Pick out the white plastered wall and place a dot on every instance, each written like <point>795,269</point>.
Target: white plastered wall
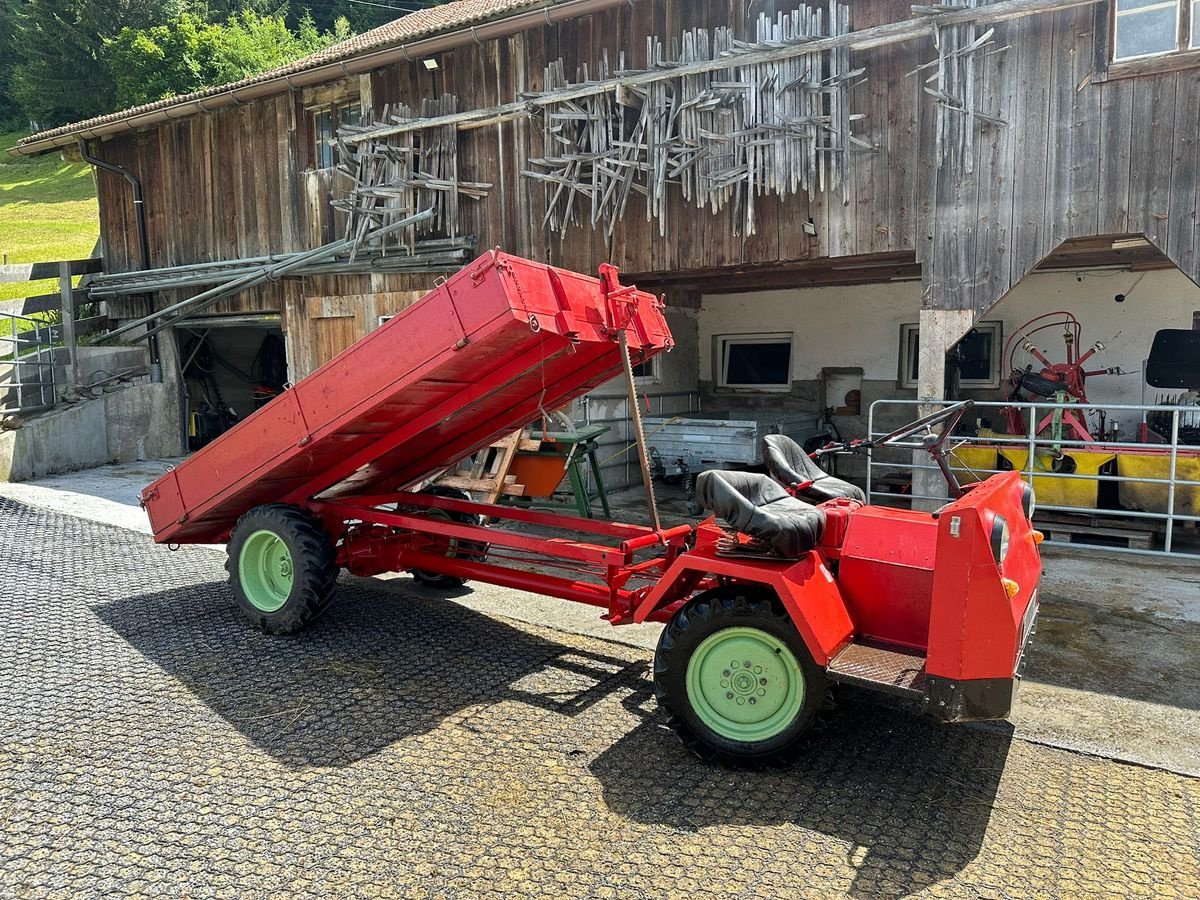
<point>860,326</point>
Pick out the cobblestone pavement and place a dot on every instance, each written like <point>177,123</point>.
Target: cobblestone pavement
<point>151,743</point>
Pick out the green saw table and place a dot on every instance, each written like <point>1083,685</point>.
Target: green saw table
<point>579,447</point>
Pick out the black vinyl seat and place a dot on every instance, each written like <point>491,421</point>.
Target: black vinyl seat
<point>759,507</point>
<point>789,465</point>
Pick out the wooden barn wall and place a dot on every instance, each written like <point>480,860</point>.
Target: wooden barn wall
<point>234,182</point>
<point>1081,157</point>
<point>1078,157</point>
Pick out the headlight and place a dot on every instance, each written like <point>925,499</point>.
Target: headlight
<point>1028,501</point>
<point>999,539</point>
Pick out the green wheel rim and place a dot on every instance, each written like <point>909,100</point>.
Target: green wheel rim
<point>745,685</point>
<point>265,570</point>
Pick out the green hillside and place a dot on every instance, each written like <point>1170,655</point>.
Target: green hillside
<point>47,212</point>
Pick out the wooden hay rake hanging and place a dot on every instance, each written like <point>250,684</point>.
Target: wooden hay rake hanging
<point>723,137</point>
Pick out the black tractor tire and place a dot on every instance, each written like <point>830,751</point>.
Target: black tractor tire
<point>313,568</point>
<point>468,550</point>
<point>709,614</point>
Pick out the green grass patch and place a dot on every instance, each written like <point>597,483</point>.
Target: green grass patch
<point>48,212</point>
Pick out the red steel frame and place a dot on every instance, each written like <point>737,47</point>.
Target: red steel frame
<point>415,541</point>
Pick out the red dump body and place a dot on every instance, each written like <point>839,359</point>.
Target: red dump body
<point>473,360</point>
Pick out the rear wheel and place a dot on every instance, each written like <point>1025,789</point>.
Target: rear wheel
<point>735,679</point>
<point>282,567</point>
<point>455,547</point>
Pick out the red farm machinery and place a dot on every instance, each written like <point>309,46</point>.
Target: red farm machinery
<point>794,584</point>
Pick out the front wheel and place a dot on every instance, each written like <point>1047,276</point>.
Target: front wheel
<point>735,679</point>
<point>282,567</point>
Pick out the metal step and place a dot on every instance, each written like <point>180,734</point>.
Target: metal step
<point>897,672</point>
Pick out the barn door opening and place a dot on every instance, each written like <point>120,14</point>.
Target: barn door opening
<point>231,365</point>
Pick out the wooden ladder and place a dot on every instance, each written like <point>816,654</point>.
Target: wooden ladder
<point>485,474</point>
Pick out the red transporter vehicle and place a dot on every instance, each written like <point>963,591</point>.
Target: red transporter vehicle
<point>802,586</point>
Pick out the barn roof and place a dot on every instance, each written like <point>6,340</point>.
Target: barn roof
<point>326,65</point>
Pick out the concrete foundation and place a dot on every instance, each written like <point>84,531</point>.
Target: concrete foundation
<point>134,423</point>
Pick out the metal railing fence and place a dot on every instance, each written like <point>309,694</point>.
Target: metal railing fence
<point>27,364</point>
<point>1157,484</point>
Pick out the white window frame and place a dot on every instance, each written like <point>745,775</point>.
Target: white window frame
<point>1185,11</point>
<point>653,374</point>
<point>908,347</point>
<point>723,342</point>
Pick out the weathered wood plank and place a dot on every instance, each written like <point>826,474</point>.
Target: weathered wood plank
<point>1116,137</point>
<point>997,183</point>
<point>1151,162</point>
<point>1074,159</point>
<point>1185,176</point>
<point>39,271</point>
<point>1035,53</point>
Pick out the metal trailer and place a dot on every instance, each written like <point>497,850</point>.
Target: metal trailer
<point>681,447</point>
<point>762,616</point>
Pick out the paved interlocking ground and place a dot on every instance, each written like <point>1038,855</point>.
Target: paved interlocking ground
<point>152,743</point>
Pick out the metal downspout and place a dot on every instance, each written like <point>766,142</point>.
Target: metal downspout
<point>139,211</point>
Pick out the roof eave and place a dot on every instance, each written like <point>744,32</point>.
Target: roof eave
<point>487,29</point>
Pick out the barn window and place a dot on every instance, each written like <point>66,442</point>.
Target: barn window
<point>1148,28</point>
<point>977,356</point>
<point>326,122</point>
<point>759,362</point>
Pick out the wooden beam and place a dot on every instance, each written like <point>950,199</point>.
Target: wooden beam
<point>67,295</point>
<point>38,271</point>
<point>864,39</point>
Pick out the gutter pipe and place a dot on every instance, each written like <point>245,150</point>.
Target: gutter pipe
<point>139,214</point>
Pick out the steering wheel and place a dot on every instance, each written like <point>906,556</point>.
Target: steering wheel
<point>932,442</point>
<point>951,416</point>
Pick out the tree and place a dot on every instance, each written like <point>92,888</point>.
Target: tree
<point>187,54</point>
<point>59,75</point>
<point>251,43</point>
<point>148,64</point>
<point>10,111</point>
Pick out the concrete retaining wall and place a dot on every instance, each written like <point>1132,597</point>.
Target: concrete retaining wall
<point>137,422</point>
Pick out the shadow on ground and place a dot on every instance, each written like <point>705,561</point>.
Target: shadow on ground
<point>910,798</point>
<point>380,666</point>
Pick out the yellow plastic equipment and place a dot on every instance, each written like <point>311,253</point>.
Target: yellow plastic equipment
<point>1054,490</point>
<point>1157,464</point>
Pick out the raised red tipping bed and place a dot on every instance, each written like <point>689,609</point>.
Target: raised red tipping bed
<point>471,361</point>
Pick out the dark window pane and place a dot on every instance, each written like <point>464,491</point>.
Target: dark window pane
<point>757,364</point>
<point>644,370</point>
<point>914,354</point>
<point>975,356</point>
<point>323,126</point>
<point>350,114</point>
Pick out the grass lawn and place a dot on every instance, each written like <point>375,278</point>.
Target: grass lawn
<point>47,212</point>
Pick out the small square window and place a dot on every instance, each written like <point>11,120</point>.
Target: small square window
<point>326,122</point>
<point>758,362</point>
<point>646,372</point>
<point>1144,28</point>
<point>977,356</point>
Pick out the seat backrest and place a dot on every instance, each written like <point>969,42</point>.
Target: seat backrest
<point>736,496</point>
<point>787,462</point>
